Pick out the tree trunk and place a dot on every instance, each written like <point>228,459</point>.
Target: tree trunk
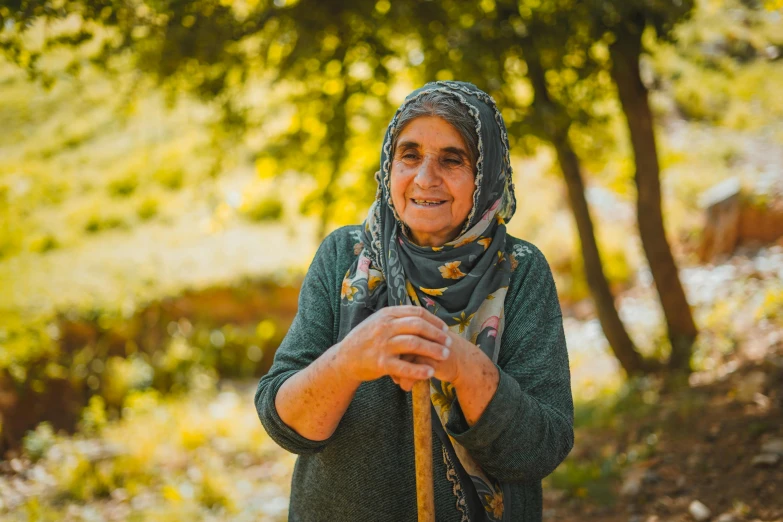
<point>555,126</point>
<point>625,54</point>
<point>613,327</point>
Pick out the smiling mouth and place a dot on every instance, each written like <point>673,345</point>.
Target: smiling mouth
<point>428,202</point>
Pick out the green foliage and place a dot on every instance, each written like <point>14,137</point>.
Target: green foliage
<point>170,178</point>
<point>99,223</point>
<point>111,355</point>
<point>94,416</point>
<point>771,307</point>
<point>85,478</point>
<point>11,233</point>
<point>339,70</point>
<point>147,209</point>
<point>216,492</point>
<point>124,186</point>
<point>593,472</point>
<point>722,64</point>
<point>38,442</point>
<point>123,375</point>
<point>44,243</point>
<point>24,341</point>
<point>266,209</point>
<point>148,458</point>
<point>593,479</point>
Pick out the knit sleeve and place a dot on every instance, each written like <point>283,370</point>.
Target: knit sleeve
<point>526,430</point>
<point>311,333</point>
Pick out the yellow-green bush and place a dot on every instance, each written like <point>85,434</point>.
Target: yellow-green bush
<point>147,209</point>
<point>123,186</point>
<point>104,356</point>
<point>772,306</point>
<point>44,243</point>
<point>98,223</point>
<point>262,209</point>
<point>172,178</point>
<point>38,442</point>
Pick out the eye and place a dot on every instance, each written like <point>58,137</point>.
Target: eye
<point>453,161</point>
<point>409,155</point>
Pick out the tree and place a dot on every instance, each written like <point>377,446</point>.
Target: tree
<point>619,340</point>
<point>559,37</point>
<point>338,63</point>
<point>627,21</point>
<point>330,60</point>
<point>490,52</point>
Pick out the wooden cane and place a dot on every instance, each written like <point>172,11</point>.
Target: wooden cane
<point>422,443</point>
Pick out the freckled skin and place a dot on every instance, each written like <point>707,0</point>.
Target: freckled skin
<point>313,401</point>
<point>427,164</point>
<point>473,374</point>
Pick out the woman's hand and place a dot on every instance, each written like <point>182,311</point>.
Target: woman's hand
<point>385,343</point>
<point>474,376</point>
<point>448,369</point>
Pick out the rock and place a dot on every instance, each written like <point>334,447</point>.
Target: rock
<point>699,511</point>
<point>766,460</point>
<point>694,460</point>
<point>632,483</point>
<point>726,517</point>
<point>762,401</point>
<point>752,384</point>
<point>664,505</point>
<point>16,465</point>
<point>774,446</point>
<point>681,482</point>
<point>650,477</point>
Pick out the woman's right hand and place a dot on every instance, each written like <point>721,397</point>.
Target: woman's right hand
<point>380,344</point>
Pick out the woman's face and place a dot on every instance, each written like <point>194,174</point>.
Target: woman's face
<point>432,180</point>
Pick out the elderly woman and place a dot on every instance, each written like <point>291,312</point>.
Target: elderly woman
<point>430,286</point>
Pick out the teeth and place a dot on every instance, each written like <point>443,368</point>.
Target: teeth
<point>425,202</point>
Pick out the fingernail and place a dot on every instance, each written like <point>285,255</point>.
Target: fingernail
<point>445,352</point>
<point>448,341</point>
<point>430,372</point>
<point>445,328</point>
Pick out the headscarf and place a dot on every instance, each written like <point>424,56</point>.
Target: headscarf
<point>464,282</point>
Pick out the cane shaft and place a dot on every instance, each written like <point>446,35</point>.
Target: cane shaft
<point>422,443</point>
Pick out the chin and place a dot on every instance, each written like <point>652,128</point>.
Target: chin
<point>425,226</point>
<point>429,235</point>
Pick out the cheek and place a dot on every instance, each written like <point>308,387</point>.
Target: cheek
<point>463,196</point>
<point>397,184</point>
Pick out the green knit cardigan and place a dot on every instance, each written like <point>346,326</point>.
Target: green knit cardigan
<point>365,470</point>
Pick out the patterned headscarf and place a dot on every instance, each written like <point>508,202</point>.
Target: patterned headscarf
<point>464,282</point>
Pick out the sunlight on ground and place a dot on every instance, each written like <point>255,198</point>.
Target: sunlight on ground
<point>204,456</point>
<point>152,261</point>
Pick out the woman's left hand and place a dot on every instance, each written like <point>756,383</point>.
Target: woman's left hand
<point>447,370</point>
<point>473,375</point>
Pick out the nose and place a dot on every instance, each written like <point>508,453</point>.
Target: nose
<point>428,176</point>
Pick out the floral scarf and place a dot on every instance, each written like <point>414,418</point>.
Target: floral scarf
<point>464,282</point>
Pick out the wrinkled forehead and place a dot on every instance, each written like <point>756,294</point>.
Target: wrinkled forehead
<point>489,127</point>
<point>398,126</point>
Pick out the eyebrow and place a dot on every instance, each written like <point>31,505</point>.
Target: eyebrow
<point>414,145</point>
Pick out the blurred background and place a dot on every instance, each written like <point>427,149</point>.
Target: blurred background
<point>167,170</point>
